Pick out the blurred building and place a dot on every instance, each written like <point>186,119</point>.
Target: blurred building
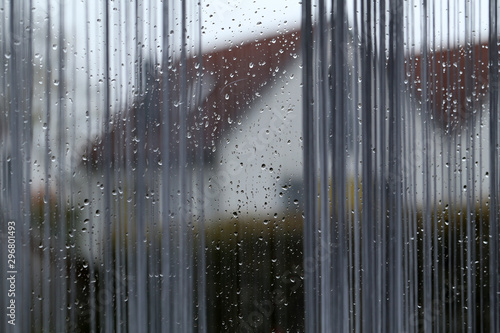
<point>243,126</point>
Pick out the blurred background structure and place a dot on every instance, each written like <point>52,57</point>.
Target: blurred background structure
<point>249,166</point>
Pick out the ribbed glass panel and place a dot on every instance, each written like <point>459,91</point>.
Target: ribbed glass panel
<point>263,166</point>
<point>400,166</point>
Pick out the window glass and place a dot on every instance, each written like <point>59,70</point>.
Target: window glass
<point>264,166</point>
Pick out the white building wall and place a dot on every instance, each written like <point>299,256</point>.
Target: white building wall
<point>260,161</point>
<point>263,153</point>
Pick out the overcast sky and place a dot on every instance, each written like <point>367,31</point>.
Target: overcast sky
<point>227,22</point>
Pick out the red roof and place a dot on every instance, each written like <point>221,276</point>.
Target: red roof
<point>457,81</point>
<point>232,79</point>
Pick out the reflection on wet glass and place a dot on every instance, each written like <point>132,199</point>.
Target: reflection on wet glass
<point>249,167</point>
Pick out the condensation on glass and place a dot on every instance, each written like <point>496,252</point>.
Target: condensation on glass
<point>177,166</point>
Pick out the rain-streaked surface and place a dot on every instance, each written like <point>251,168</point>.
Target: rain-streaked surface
<point>98,102</point>
<point>175,166</point>
<point>401,161</point>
